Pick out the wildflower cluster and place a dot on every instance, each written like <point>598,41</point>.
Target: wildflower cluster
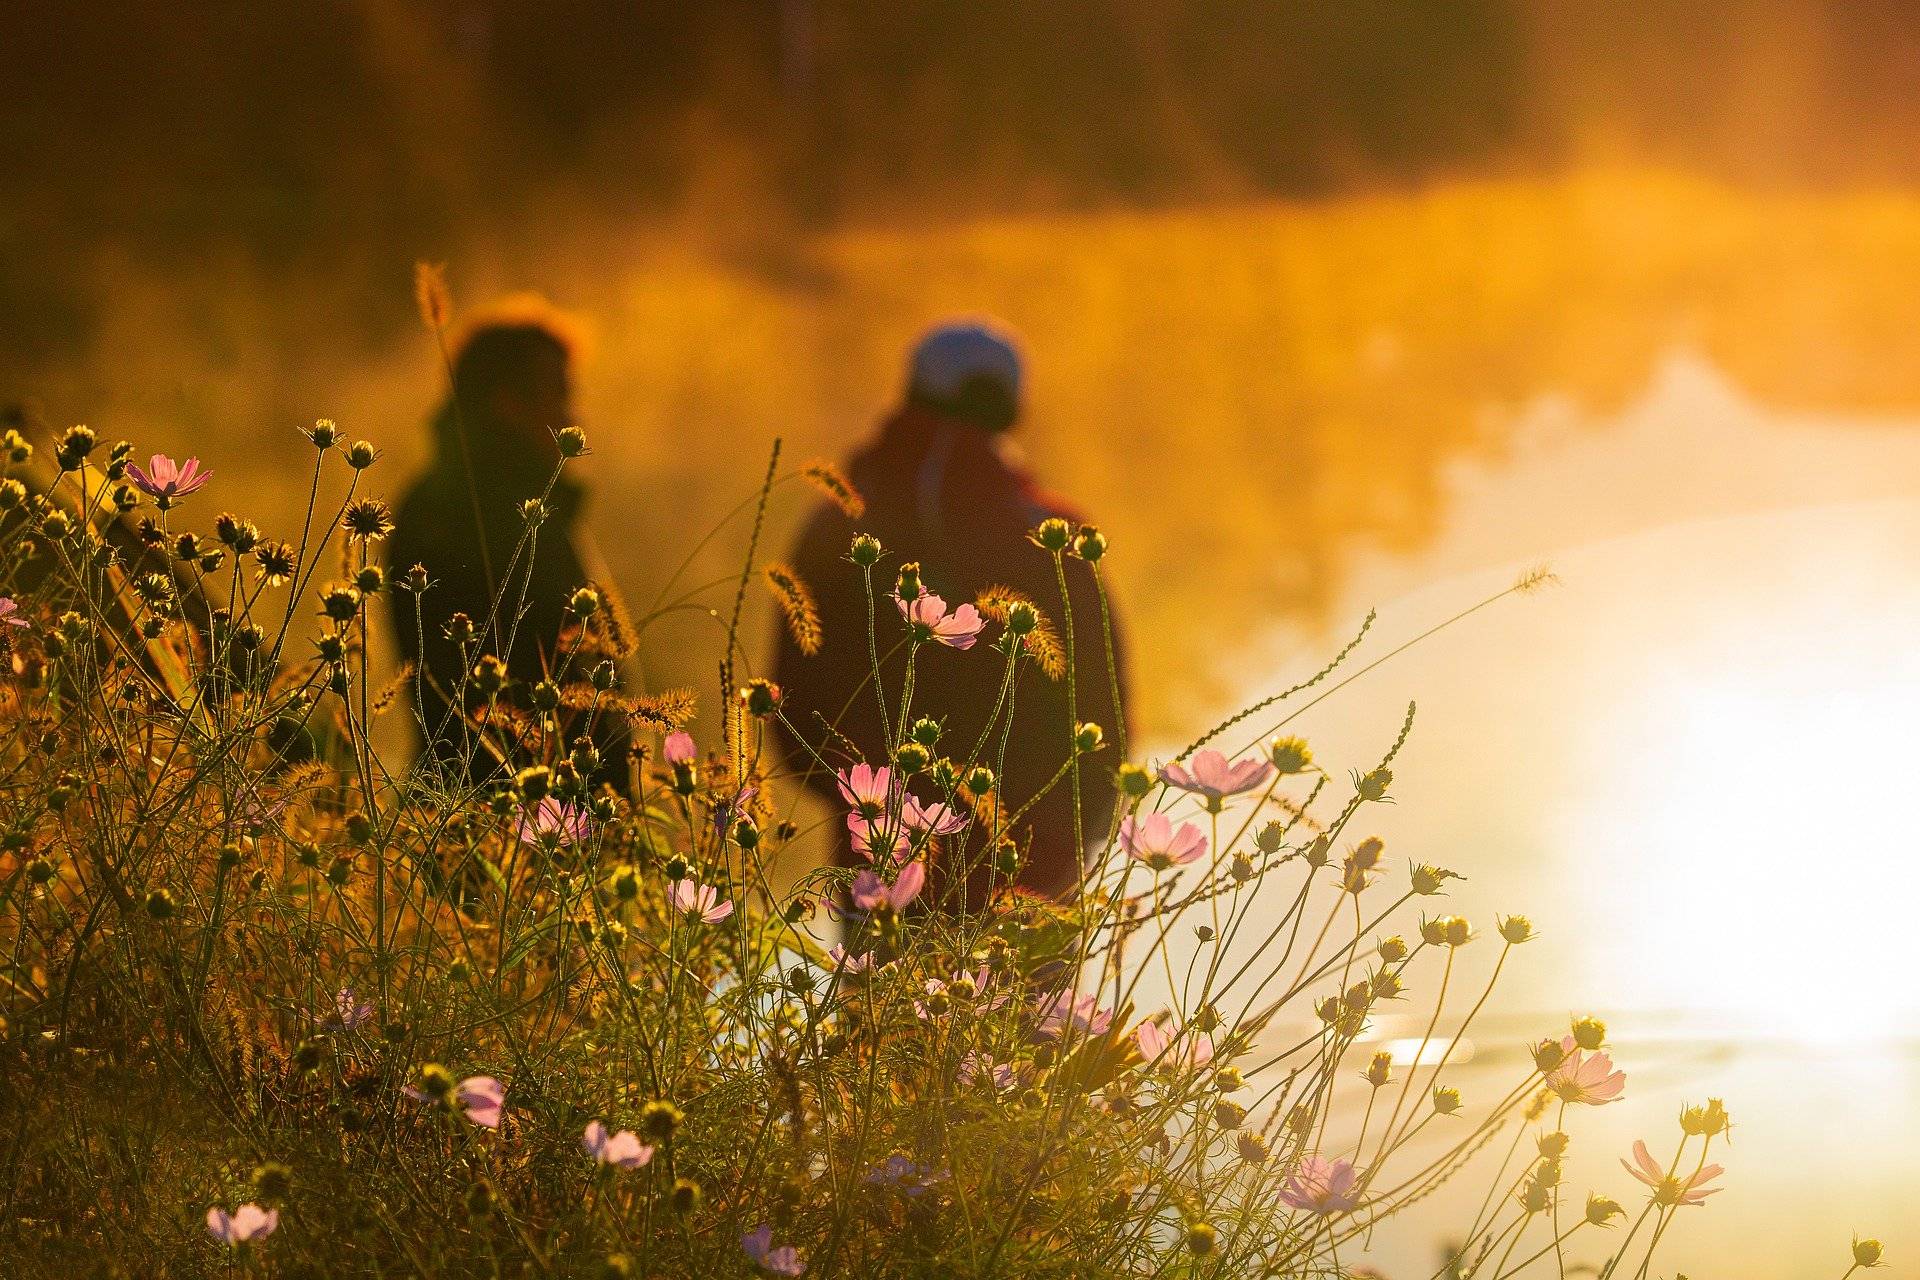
<point>507,1009</point>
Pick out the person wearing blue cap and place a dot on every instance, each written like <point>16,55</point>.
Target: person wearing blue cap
<point>944,487</point>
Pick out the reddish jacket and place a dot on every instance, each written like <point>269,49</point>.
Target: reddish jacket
<point>940,492</point>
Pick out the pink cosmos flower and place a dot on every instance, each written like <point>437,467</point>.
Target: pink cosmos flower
<point>349,1012</point>
<point>243,1226</point>
<point>758,1245</point>
<point>552,823</point>
<point>904,1176</point>
<point>1211,776</point>
<point>1064,1009</point>
<point>1153,840</point>
<point>679,748</point>
<point>1174,1049</point>
<point>930,620</point>
<point>166,481</point>
<point>1671,1190</point>
<point>977,1066</point>
<point>1588,1078</point>
<point>701,900</point>
<point>10,613</point>
<point>874,841</point>
<point>869,890</point>
<point>479,1098</point>
<point>623,1150</point>
<point>866,788</point>
<point>848,963</point>
<point>1325,1187</point>
<point>937,818</point>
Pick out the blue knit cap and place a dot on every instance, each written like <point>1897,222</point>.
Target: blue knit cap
<point>952,354</point>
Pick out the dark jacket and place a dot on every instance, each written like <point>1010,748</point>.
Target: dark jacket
<point>471,563</point>
<point>943,493</point>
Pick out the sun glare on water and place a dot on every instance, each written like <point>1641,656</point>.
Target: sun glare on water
<point>1765,847</point>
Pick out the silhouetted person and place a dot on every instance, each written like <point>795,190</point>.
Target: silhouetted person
<point>462,521</point>
<point>943,488</point>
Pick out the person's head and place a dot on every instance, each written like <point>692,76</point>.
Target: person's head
<point>969,371</point>
<point>514,376</point>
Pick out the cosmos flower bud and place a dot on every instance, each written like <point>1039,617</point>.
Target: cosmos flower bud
<point>1393,950</point>
<point>1252,1147</point>
<point>1535,1196</point>
<point>1087,737</point>
<point>433,1080</point>
<point>658,1120</point>
<point>677,868</point>
<point>1428,879</point>
<point>1206,1019</point>
<point>1373,786</point>
<point>1589,1033</point>
<point>1201,1239</point>
<point>761,697</point>
<point>1603,1209</point>
<point>1704,1122</point>
<point>74,447</point>
<point>12,494</point>
<point>1204,932</point>
<point>1229,1080</point>
<point>584,602</point>
<point>415,579</point>
<point>925,731</point>
<point>1459,932</point>
<point>308,1054</point>
<point>533,783</point>
<point>369,580</point>
<point>911,758</point>
<point>908,586</point>
<point>1270,837</point>
<point>1006,859</point>
<point>1132,780</point>
<point>1089,544</point>
<point>533,511</point>
<point>1289,755</point>
<point>1022,618</point>
<point>39,871</point>
<point>1434,932</point>
<point>1379,1069</point>
<point>572,442</point>
<point>160,904</point>
<point>685,1196</point>
<point>1547,1055</point>
<point>1229,1114</point>
<point>1516,929</point>
<point>340,602</point>
<point>1866,1253</point>
<point>746,833</point>
<point>1051,535</point>
<point>489,675</point>
<point>865,551</point>
<point>1446,1099</point>
<point>1317,854</point>
<point>324,433</point>
<point>331,648</point>
<point>1329,1009</point>
<point>1300,1118</point>
<point>272,1181</point>
<point>1241,868</point>
<point>980,780</point>
<point>361,455</point>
